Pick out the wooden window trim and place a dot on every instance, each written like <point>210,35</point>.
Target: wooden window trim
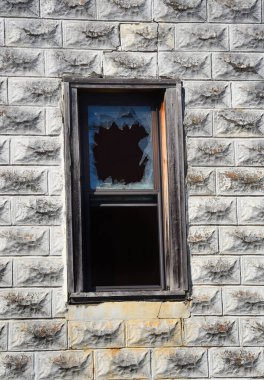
<point>173,183</point>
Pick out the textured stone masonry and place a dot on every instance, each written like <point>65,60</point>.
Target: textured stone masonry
<point>216,48</point>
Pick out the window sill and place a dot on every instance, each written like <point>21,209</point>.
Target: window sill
<point>94,297</point>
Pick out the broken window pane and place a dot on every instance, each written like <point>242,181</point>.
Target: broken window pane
<point>120,147</point>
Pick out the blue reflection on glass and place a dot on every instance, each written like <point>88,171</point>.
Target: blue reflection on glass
<point>120,121</point>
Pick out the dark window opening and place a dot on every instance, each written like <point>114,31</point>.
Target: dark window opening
<point>126,197</point>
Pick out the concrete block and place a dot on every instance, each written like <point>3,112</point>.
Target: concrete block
<point>184,65</point>
<point>201,181</point>
<point>252,331</point>
<point>240,181</point>
<point>211,331</point>
<point>134,65</point>
<point>124,10</point>
<point>23,181</point>
<point>38,335</point>
<point>91,35</point>
<point>64,365</point>
<point>25,303</point>
<point>203,240</point>
<point>24,241</point>
<point>175,363</point>
<point>21,120</point>
<point>122,364</point>
<point>248,94</point>
<point>100,334</point>
<point>25,8</point>
<point>235,11</point>
<point>239,123</point>
<point>201,37</point>
<point>180,10</point>
<point>198,123</point>
<point>34,91</point>
<point>154,333</point>
<point>206,301</point>
<point>166,37</point>
<point>242,240</point>
<point>43,272</point>
<point>139,37</point>
<point>250,152</point>
<point>243,300</point>
<point>250,210</point>
<point>207,95</point>
<point>5,212</point>
<point>247,37</point>
<point>252,270</point>
<point>210,152</point>
<point>78,62</point>
<point>36,151</point>
<point>54,123</point>
<point>33,33</point>
<point>39,211</point>
<point>74,9</point>
<point>17,366</point>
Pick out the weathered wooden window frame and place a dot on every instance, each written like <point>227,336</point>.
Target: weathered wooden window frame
<point>173,189</point>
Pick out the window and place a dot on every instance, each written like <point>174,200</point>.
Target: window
<point>125,190</point>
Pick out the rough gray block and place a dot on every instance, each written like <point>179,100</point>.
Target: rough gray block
<point>22,120</point>
<point>243,300</point>
<point>207,95</point>
<point>237,11</point>
<point>215,270</point>
<point>78,62</point>
<point>21,62</point>
<point>38,272</point>
<point>166,37</point>
<point>54,122</point>
<point>59,365</point>
<point>59,303</point>
<point>55,181</point>
<point>247,37</point>
<point>57,241</point>
<point>19,8</point>
<point>5,274</point>
<point>206,210</point>
<point>233,181</point>
<point>17,366</point>
<point>238,66</point>
<point>37,335</point>
<point>252,270</point>
<point>33,33</point>
<point>251,210</point>
<point>25,303</point>
<point>139,37</point>
<point>36,151</point>
<point>122,364</point>
<point>248,94</point>
<point>210,152</point>
<point>3,90</point>
<point>242,240</point>
<point>91,35</point>
<point>101,334</point>
<point>252,331</point>
<point>239,123</point>
<point>129,10</point>
<point>33,91</point>
<point>171,363</point>
<point>24,241</point>
<point>250,152</point>
<point>211,331</point>
<point>180,10</point>
<point>184,65</point>
<point>236,362</point>
<point>202,37</point>
<point>198,122</point>
<point>40,210</point>
<point>154,333</point>
<point>74,9</point>
<point>23,181</point>
<point>5,215</point>
<point>206,301</point>
<point>201,181</point>
<point>203,240</point>
<point>2,28</point>
<point>4,151</point>
<point>135,65</point>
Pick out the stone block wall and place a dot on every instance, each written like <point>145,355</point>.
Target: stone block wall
<point>216,47</point>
